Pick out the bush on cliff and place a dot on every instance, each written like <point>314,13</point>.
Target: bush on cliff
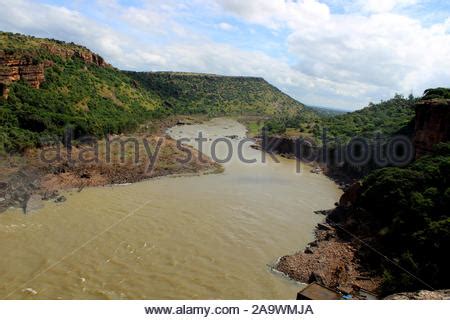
<point>437,93</point>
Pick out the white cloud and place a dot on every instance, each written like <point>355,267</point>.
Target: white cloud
<point>378,6</point>
<point>261,12</point>
<point>343,60</point>
<point>366,56</point>
<point>225,26</point>
<point>60,23</point>
<point>274,13</point>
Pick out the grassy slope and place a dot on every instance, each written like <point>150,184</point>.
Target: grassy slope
<point>91,99</point>
<point>189,93</point>
<point>97,100</point>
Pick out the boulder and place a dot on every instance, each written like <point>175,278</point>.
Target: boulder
<point>351,195</point>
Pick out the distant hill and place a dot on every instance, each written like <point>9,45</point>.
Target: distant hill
<point>189,93</point>
<point>387,117</point>
<point>327,112</point>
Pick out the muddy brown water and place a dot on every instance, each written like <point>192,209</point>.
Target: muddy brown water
<point>193,237</point>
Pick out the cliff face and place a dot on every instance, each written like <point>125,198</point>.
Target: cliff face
<point>280,145</point>
<point>67,53</point>
<point>13,68</point>
<point>23,66</point>
<point>432,124</point>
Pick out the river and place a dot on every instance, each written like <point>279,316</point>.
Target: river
<point>188,237</point>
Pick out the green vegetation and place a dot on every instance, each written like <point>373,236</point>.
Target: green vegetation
<point>437,93</point>
<point>254,124</point>
<point>292,122</point>
<point>327,112</point>
<point>407,212</point>
<point>88,98</point>
<point>96,100</point>
<point>19,43</point>
<point>387,117</point>
<point>191,93</point>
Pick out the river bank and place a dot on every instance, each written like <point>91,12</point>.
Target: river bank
<point>333,261</point>
<point>332,258</point>
<point>41,174</point>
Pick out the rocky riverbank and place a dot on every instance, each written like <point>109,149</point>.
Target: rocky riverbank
<point>421,295</point>
<point>332,261</point>
<point>26,179</point>
<point>333,258</point>
<point>338,259</point>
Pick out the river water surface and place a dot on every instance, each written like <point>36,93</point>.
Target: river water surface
<point>196,237</point>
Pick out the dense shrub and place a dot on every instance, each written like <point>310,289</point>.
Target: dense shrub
<point>408,211</point>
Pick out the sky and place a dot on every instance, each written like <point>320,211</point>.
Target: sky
<point>332,53</point>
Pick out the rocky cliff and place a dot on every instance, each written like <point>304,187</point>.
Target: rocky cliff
<point>432,124</point>
<point>279,145</point>
<point>24,65</point>
<point>76,52</point>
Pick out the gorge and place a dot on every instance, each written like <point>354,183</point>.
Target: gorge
<point>201,230</point>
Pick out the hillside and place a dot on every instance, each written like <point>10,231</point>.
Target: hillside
<point>328,112</point>
<point>406,210</point>
<point>386,117</point>
<point>400,212</point>
<point>189,93</point>
<point>48,85</point>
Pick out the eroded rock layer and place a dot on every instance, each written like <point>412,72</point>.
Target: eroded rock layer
<point>15,66</point>
<point>432,124</point>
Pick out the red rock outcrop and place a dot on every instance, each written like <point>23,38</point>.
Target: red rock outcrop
<point>15,66</point>
<point>79,52</point>
<point>432,124</point>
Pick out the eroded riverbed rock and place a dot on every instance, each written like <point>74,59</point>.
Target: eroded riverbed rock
<point>329,261</point>
<point>421,295</point>
<point>351,195</point>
